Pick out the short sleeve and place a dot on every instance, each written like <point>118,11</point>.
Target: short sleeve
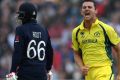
<point>113,36</point>
<point>75,45</point>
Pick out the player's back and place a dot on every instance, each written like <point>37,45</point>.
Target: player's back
<point>35,38</point>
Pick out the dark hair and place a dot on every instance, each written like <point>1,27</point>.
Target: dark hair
<point>89,1</point>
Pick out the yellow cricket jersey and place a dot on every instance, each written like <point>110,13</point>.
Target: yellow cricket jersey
<point>95,43</point>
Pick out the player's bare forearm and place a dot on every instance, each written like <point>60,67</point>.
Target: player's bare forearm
<point>78,59</point>
<point>118,59</point>
<point>118,62</point>
<point>117,48</point>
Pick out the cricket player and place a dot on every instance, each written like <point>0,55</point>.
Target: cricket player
<point>92,41</point>
<point>33,54</point>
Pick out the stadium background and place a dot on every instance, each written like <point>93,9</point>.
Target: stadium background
<point>60,17</point>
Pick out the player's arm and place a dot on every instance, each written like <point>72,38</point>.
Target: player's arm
<point>78,59</point>
<point>18,50</point>
<point>17,54</point>
<point>75,46</point>
<point>79,62</point>
<point>49,51</point>
<point>78,54</point>
<point>117,48</point>
<point>115,40</point>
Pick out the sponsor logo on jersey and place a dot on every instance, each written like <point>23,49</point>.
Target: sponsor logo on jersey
<point>97,34</point>
<point>89,41</point>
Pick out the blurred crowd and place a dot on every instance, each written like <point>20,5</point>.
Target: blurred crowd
<point>60,17</point>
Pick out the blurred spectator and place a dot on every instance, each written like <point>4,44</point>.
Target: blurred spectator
<point>115,21</point>
<point>57,61</point>
<point>10,40</point>
<point>101,4</point>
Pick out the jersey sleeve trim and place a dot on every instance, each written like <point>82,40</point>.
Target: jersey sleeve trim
<point>75,42</point>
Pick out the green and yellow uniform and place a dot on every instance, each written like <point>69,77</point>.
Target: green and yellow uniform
<point>95,44</point>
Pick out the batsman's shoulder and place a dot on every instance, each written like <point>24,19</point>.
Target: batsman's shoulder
<point>19,29</point>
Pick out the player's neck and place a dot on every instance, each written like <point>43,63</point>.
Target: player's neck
<point>28,21</point>
<point>88,23</point>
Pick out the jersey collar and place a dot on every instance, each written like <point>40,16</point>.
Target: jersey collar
<point>95,23</point>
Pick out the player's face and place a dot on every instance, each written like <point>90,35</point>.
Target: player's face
<point>88,10</point>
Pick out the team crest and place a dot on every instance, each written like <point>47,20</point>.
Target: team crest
<point>97,34</point>
<point>82,34</point>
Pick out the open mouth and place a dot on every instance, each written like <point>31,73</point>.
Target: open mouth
<point>87,14</point>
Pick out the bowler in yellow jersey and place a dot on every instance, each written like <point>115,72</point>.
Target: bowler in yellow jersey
<point>92,41</point>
